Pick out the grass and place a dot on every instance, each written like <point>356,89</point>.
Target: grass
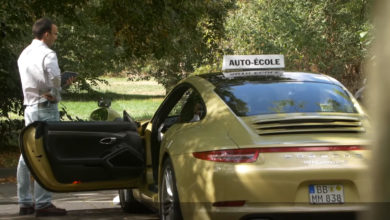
<point>139,109</point>
<point>139,98</point>
<point>124,86</point>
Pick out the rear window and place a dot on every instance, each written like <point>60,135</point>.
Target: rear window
<point>256,98</point>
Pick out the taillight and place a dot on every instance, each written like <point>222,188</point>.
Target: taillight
<point>249,155</point>
<point>232,156</point>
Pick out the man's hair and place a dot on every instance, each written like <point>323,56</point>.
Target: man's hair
<point>41,26</point>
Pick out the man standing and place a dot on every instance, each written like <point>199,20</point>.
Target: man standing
<point>41,84</point>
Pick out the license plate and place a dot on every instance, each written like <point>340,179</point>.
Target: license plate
<point>326,194</point>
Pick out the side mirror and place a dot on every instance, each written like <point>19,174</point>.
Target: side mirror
<point>104,103</point>
<point>100,114</point>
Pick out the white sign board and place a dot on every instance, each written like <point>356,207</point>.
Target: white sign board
<point>241,62</point>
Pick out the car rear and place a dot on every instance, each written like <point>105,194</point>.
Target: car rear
<point>301,149</point>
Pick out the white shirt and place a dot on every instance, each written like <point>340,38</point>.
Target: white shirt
<point>195,118</point>
<point>39,73</point>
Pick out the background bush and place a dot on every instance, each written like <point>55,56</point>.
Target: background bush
<point>171,39</point>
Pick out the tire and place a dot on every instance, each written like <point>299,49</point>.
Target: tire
<point>169,198</point>
<point>129,204</point>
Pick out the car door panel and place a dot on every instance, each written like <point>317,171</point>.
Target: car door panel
<point>68,156</point>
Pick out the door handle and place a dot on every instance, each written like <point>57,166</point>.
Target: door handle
<point>108,140</point>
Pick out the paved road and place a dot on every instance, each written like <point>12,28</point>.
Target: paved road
<point>80,205</point>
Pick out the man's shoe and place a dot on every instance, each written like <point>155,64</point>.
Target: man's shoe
<point>26,210</point>
<point>51,210</point>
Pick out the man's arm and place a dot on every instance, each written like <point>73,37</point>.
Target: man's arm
<point>53,72</point>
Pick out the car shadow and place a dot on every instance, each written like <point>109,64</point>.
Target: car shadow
<point>105,213</point>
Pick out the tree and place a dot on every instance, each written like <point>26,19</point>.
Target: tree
<point>319,36</point>
<point>167,39</point>
<point>164,39</point>
<point>16,19</point>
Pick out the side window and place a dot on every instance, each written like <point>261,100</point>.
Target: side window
<point>179,105</point>
<point>190,108</point>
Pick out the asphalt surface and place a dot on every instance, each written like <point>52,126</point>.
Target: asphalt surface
<point>80,205</point>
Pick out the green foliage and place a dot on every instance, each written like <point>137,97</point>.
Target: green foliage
<point>10,100</point>
<point>170,39</point>
<point>9,132</point>
<point>83,46</point>
<point>86,46</point>
<point>318,36</point>
<point>16,19</point>
<point>166,39</point>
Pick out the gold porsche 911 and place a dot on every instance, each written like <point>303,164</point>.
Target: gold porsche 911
<point>247,144</point>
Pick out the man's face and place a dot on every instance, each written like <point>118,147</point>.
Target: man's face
<point>50,38</point>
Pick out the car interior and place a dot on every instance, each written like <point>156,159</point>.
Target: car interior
<point>92,151</point>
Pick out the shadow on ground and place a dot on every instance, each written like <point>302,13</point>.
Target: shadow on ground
<point>106,213</point>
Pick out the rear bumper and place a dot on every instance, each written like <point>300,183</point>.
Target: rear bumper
<point>270,180</point>
<point>274,211</point>
<point>273,187</point>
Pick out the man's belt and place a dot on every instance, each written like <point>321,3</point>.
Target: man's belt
<point>45,104</point>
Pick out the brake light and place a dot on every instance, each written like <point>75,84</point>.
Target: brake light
<point>76,182</point>
<point>311,149</point>
<point>233,156</point>
<point>249,155</point>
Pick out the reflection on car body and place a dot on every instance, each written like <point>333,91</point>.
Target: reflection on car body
<point>265,145</point>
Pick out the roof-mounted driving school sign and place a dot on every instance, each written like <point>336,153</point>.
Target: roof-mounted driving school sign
<point>241,62</point>
<point>234,74</point>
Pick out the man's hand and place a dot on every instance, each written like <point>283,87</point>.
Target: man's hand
<point>70,81</point>
<point>49,97</point>
<point>67,78</point>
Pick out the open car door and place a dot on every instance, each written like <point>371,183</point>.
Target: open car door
<point>78,156</point>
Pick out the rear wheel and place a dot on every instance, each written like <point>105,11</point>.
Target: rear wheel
<point>129,203</point>
<point>169,199</point>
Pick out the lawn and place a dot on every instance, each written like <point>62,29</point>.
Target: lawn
<point>139,98</point>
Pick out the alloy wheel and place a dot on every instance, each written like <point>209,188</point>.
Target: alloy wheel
<point>169,203</point>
